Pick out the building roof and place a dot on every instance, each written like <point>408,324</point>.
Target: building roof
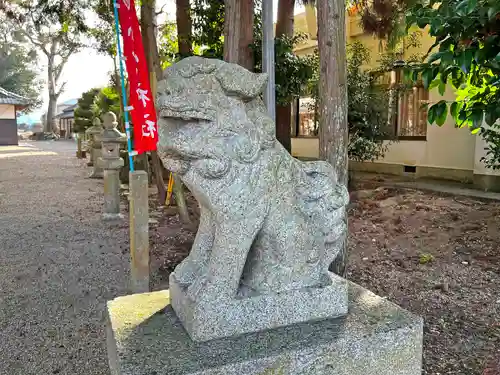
<point>71,108</point>
<point>70,102</point>
<point>7,97</point>
<point>68,112</point>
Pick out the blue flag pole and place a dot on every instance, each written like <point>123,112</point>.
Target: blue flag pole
<point>124,92</point>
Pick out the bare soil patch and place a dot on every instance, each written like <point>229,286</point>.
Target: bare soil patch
<point>435,255</point>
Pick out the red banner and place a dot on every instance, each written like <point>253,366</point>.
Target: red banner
<point>141,106</point>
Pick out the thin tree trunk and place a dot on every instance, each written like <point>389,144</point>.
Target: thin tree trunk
<point>178,191</point>
<point>184,28</point>
<point>148,29</point>
<point>238,32</point>
<point>333,130</point>
<point>284,27</point>
<point>118,89</point>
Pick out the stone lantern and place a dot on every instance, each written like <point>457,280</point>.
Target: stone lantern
<point>94,146</point>
<point>110,161</point>
<point>95,142</point>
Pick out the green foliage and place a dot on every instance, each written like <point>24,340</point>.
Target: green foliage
<point>208,26</point>
<point>425,258</point>
<point>467,55</point>
<point>108,100</point>
<point>18,72</point>
<point>388,57</point>
<point>69,14</point>
<point>292,73</point>
<point>86,110</point>
<point>169,45</point>
<point>103,34</point>
<point>367,114</point>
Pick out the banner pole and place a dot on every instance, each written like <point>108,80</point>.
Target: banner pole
<point>124,92</point>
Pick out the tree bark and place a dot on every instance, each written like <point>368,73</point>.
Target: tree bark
<point>284,27</point>
<point>148,29</point>
<point>178,191</point>
<point>333,130</point>
<point>184,27</point>
<point>51,125</point>
<point>238,32</point>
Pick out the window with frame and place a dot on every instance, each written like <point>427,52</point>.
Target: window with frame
<point>304,118</point>
<point>410,117</point>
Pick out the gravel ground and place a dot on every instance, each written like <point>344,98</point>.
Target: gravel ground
<point>59,263</point>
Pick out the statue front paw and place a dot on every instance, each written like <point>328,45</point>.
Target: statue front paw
<point>185,273</point>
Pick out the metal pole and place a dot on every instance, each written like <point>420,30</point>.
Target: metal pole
<point>268,56</point>
<point>124,92</point>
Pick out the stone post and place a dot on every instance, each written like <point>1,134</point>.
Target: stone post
<point>111,162</point>
<point>90,137</point>
<point>139,233</point>
<point>95,143</point>
<point>80,154</point>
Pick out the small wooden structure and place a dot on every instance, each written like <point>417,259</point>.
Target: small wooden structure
<point>66,119</point>
<point>10,103</point>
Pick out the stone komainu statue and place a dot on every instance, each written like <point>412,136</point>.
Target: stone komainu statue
<point>269,224</point>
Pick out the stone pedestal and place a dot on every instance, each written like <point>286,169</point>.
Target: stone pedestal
<point>376,337</point>
<point>95,143</point>
<point>111,163</point>
<point>209,320</point>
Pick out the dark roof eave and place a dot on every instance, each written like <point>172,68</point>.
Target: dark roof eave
<point>13,99</point>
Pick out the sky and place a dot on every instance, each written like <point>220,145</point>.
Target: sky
<point>88,69</point>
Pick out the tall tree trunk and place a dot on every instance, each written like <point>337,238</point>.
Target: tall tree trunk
<point>50,121</point>
<point>53,74</point>
<point>333,130</point>
<point>238,32</point>
<point>148,30</point>
<point>284,27</point>
<point>184,27</point>
<point>51,125</point>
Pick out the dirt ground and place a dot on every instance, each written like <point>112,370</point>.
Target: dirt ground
<point>435,255</point>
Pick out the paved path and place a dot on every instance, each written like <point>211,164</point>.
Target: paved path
<point>448,187</point>
<point>58,263</point>
<point>439,186</point>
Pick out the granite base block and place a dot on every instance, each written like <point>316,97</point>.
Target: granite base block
<point>376,337</point>
<point>111,217</point>
<point>224,318</point>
